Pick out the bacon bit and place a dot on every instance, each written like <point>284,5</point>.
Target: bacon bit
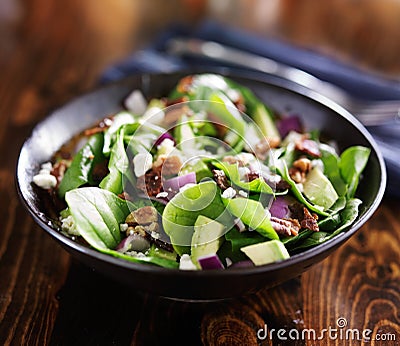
<point>287,227</point>
<point>151,182</point>
<point>185,84</point>
<point>220,179</point>
<point>306,219</point>
<point>295,226</point>
<point>309,147</point>
<point>309,220</point>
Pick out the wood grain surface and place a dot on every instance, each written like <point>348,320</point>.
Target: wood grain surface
<point>55,51</point>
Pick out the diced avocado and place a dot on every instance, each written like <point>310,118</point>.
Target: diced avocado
<point>207,238</point>
<point>318,189</point>
<point>264,119</point>
<point>182,211</point>
<point>266,252</point>
<point>200,168</point>
<point>253,214</point>
<point>183,133</point>
<point>227,114</point>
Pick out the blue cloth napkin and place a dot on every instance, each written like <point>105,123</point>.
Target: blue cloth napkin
<point>357,82</point>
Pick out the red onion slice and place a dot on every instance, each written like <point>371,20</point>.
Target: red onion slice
<point>279,207</point>
<point>165,135</point>
<point>210,262</point>
<point>289,123</point>
<point>174,184</point>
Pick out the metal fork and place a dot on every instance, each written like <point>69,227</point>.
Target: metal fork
<point>369,113</point>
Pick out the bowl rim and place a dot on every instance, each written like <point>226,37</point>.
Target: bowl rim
<point>274,81</point>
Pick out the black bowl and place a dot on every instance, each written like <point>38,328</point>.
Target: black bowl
<point>316,112</point>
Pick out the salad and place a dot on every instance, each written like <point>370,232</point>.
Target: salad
<point>208,177</point>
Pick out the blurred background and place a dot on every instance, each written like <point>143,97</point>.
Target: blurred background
<point>364,32</point>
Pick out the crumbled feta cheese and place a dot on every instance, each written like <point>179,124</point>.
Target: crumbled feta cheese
<point>186,263</point>
<point>229,193</point>
<point>123,227</point>
<point>136,102</point>
<point>142,163</point>
<point>155,235</point>
<point>243,193</point>
<point>186,186</point>
<point>318,163</point>
<point>243,171</point>
<point>131,253</point>
<point>47,166</point>
<point>228,262</point>
<point>162,194</point>
<point>166,147</point>
<point>153,115</point>
<point>68,225</point>
<point>44,171</point>
<point>273,178</point>
<point>45,181</point>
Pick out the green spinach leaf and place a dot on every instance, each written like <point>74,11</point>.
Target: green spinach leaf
<point>97,214</point>
<point>252,214</point>
<point>80,171</point>
<point>352,162</point>
<point>241,239</point>
<point>110,135</point>
<point>181,212</point>
<point>283,171</point>
<point>348,215</point>
<point>118,166</point>
<point>232,172</point>
<point>332,169</point>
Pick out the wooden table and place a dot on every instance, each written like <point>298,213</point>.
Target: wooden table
<point>53,52</point>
